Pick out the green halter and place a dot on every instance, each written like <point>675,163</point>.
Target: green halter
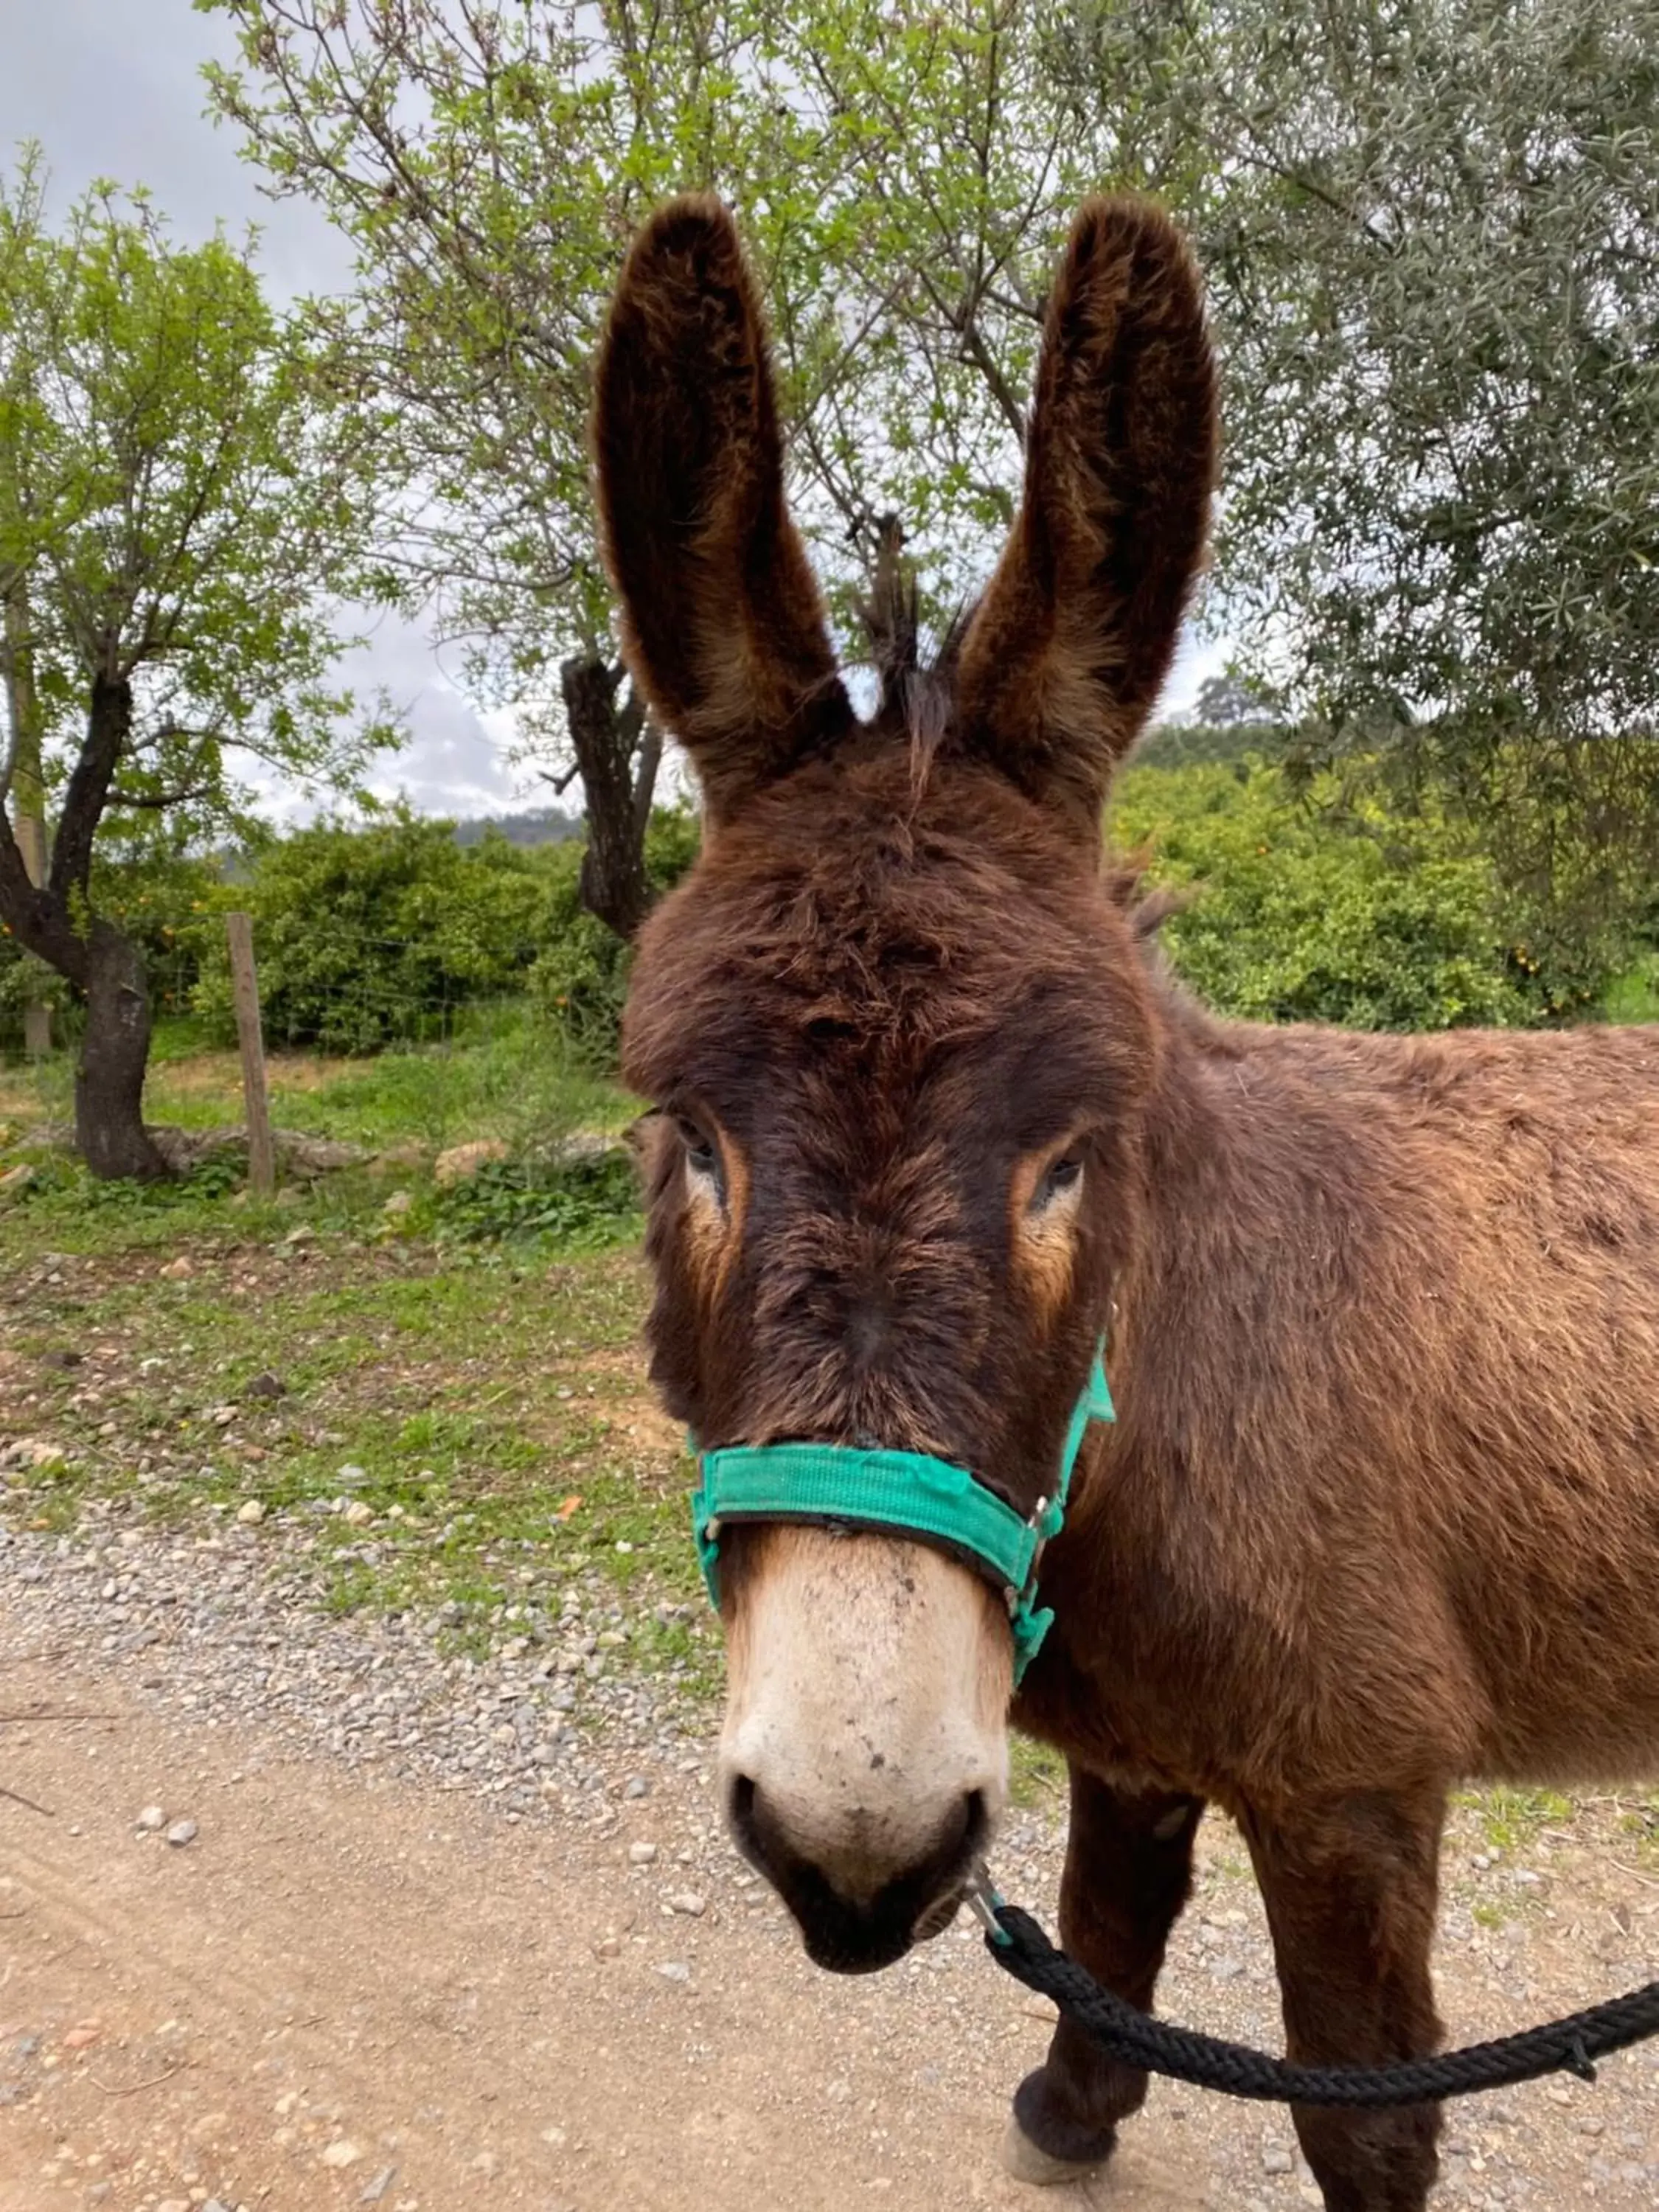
<point>909,1493</point>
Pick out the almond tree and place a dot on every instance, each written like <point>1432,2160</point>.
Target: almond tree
<point>902,186</point>
<point>182,492</point>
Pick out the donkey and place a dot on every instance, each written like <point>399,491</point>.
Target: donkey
<point>1380,1510</point>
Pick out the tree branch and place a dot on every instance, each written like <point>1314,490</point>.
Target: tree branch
<point>109,721</point>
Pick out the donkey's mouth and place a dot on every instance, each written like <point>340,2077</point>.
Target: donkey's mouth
<point>860,1935</point>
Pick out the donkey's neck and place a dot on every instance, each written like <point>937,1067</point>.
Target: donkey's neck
<point>1258,1204</point>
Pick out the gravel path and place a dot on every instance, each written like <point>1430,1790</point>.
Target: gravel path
<point>457,1932</point>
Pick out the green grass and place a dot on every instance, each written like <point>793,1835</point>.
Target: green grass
<point>488,1397</point>
<point>1036,1774</point>
<point>1511,1818</point>
<point>1635,997</point>
<point>503,1073</point>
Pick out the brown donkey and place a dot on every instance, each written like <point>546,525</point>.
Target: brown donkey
<point>1381,1508</point>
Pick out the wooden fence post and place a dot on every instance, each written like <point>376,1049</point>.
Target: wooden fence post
<point>261,1157</point>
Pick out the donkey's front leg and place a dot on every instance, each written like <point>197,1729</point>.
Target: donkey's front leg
<point>1128,1868</point>
<point>1351,1890</point>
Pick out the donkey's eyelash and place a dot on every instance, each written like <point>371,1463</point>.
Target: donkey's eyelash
<point>1059,1176</point>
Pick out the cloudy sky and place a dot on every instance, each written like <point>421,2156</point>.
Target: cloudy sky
<point>111,89</point>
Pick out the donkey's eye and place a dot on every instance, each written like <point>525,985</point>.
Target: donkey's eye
<point>1061,1176</point>
<point>700,1154</point>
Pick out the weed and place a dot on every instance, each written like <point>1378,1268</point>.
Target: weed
<point>1510,1818</point>
<point>1036,1773</point>
<point>583,1204</point>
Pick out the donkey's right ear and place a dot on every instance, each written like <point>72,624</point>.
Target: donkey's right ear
<point>722,621</point>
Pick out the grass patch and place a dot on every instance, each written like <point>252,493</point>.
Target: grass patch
<point>1640,1822</point>
<point>452,1429</point>
<point>1510,1817</point>
<point>1036,1774</point>
<point>503,1071</point>
<point>1634,997</point>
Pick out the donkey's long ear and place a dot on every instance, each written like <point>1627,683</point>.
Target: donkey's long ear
<point>1063,660</point>
<point>721,617</point>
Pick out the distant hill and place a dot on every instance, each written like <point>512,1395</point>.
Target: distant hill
<point>1186,745</point>
<point>539,825</point>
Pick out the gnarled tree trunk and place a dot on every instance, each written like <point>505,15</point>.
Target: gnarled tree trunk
<point>109,1082</point>
<point>618,752</point>
<point>48,921</point>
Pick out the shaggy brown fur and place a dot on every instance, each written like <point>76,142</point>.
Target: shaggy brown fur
<point>1381,1507</point>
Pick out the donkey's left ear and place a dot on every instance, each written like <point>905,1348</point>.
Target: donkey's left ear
<point>1062,663</point>
<point>722,621</point>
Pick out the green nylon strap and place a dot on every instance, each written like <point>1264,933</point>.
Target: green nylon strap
<point>907,1491</point>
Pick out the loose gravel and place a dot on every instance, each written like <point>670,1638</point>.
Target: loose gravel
<point>223,1630</point>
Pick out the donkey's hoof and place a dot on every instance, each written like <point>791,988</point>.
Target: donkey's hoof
<point>1025,2162</point>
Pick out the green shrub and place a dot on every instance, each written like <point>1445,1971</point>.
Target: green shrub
<point>368,934</point>
<point>581,978</point>
<point>1320,905</point>
<point>170,905</point>
<point>581,1204</point>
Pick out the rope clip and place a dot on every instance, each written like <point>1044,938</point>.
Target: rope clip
<point>984,1900</point>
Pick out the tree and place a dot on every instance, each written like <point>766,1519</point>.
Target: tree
<point>181,494</point>
<point>1431,231</point>
<point>904,186</point>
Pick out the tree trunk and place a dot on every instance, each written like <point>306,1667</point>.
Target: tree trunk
<point>28,804</point>
<point>605,738</point>
<point>109,1083</point>
<point>32,843</point>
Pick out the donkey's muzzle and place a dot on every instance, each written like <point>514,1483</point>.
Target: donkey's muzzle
<point>856,1916</point>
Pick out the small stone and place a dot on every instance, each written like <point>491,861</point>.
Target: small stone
<point>351,1476</point>
<point>151,1821</point>
<point>374,2188</point>
<point>640,1854</point>
<point>637,1786</point>
<point>462,1161</point>
<point>688,1901</point>
<point>182,1832</point>
<point>266,1385</point>
<point>357,1515</point>
<point>1275,2159</point>
<point>176,1271</point>
<point>607,1948</point>
<point>675,1970</point>
<point>400,1202</point>
<point>84,2033</point>
<point>251,1514</point>
<point>341,2153</point>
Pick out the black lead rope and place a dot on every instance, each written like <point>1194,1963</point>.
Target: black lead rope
<point>1124,2033</point>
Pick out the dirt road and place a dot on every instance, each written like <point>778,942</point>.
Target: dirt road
<point>346,1989</point>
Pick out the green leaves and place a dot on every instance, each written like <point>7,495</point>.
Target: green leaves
<point>1326,905</point>
<point>184,490</point>
<point>1431,232</point>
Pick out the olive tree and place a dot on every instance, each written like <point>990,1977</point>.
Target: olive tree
<point>1431,233</point>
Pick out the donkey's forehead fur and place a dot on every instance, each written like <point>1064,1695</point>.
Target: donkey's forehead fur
<point>894,913</point>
